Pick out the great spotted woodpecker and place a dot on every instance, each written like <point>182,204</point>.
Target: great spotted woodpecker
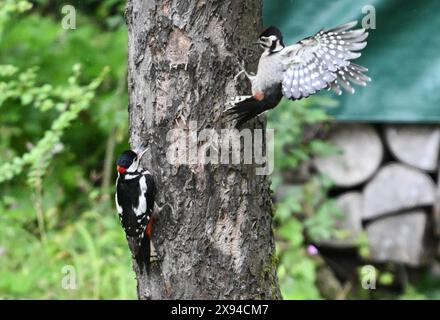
<point>322,61</point>
<point>135,192</point>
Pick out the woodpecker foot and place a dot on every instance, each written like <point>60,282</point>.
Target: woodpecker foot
<point>153,253</point>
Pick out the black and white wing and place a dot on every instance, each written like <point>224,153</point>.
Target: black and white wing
<point>323,61</point>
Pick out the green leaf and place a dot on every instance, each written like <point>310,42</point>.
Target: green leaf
<point>292,231</point>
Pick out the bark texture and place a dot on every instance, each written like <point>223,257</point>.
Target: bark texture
<point>217,242</point>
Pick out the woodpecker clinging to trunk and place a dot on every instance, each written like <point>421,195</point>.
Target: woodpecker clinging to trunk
<point>322,61</point>
<point>135,192</point>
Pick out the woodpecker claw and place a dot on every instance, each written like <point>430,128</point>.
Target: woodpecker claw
<point>242,68</point>
<point>241,64</point>
<point>238,75</point>
<point>140,155</point>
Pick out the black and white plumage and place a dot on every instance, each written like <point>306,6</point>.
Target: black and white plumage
<point>135,193</point>
<point>323,61</point>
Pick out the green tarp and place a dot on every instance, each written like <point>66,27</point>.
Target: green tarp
<point>403,54</point>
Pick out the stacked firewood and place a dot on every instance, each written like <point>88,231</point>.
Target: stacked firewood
<point>386,183</point>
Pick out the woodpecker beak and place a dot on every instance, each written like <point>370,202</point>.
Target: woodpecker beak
<point>120,169</point>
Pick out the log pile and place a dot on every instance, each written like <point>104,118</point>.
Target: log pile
<point>387,185</point>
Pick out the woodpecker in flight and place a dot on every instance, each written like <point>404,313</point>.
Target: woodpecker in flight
<point>322,61</point>
<point>135,192</point>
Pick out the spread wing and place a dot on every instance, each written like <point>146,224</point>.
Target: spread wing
<point>323,61</point>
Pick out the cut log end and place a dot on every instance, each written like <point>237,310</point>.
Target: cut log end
<point>415,145</point>
<point>397,187</point>
<point>399,239</point>
<point>361,155</point>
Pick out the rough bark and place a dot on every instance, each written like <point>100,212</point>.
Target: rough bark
<point>217,242</point>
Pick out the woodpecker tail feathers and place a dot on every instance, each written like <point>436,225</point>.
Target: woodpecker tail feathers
<point>141,252</point>
<point>247,109</point>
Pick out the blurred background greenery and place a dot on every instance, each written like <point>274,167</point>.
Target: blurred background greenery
<point>63,118</point>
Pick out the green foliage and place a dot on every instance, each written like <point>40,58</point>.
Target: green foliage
<point>63,111</point>
<point>289,119</point>
<point>362,245</point>
<point>386,278</point>
<point>412,293</point>
<point>33,269</point>
<point>428,287</point>
<point>68,101</point>
<point>296,270</point>
<point>304,212</point>
<point>10,7</point>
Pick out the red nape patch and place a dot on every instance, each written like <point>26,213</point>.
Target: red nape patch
<point>120,169</point>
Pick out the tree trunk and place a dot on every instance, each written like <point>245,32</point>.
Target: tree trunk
<point>217,242</point>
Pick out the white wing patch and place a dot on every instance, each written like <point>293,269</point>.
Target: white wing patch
<point>324,61</point>
<point>142,205</point>
<point>118,207</point>
<point>130,176</point>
